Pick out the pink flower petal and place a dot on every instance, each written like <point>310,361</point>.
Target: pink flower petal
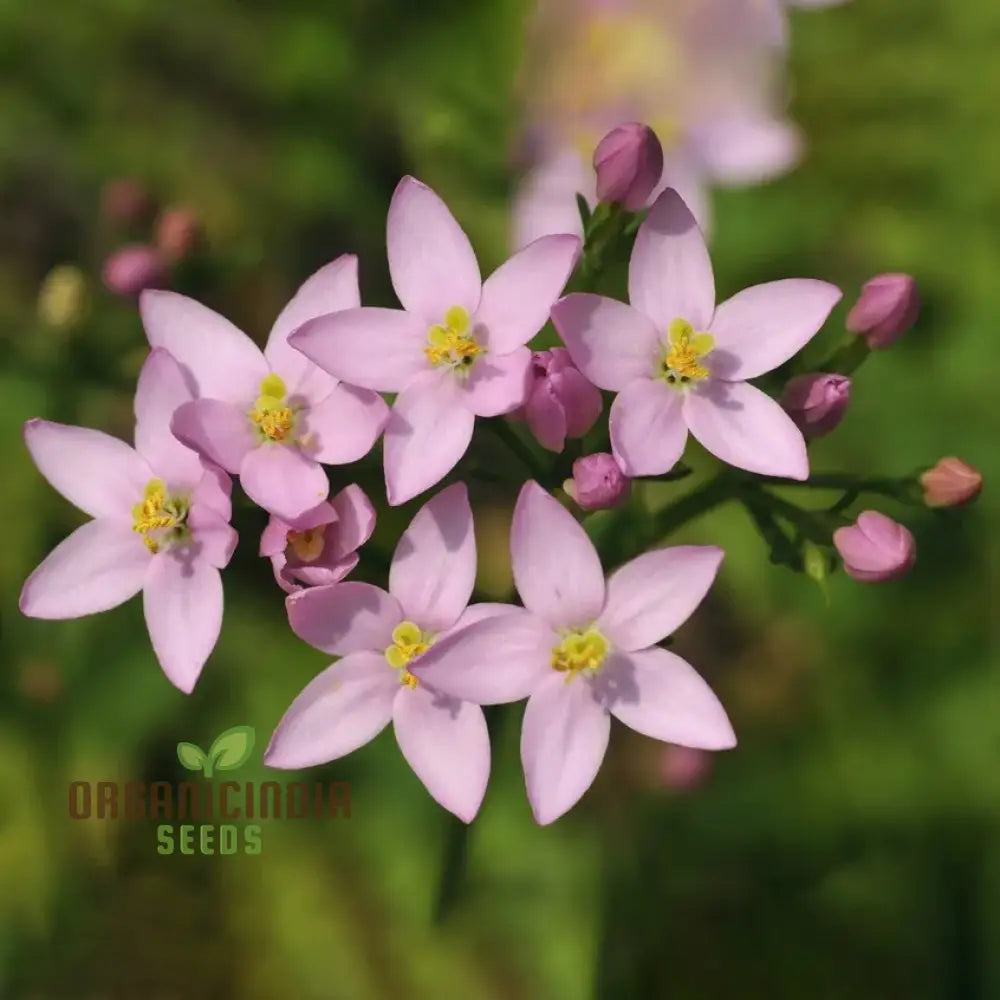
<point>283,480</point>
<point>429,430</point>
<point>670,274</point>
<point>345,617</point>
<point>446,743</point>
<point>581,399</point>
<point>746,428</point>
<point>213,535</point>
<point>182,602</point>
<point>498,383</point>
<point>339,710</point>
<point>658,694</point>
<point>433,568</point>
<point>331,289</point>
<point>355,519</point>
<point>610,342</point>
<point>763,326</point>
<point>647,428</point>
<point>546,417</point>
<point>214,490</point>
<point>518,295</point>
<point>218,431</point>
<point>223,361</point>
<point>162,388</point>
<point>496,659</point>
<point>546,199</point>
<point>686,176</point>
<point>95,472</point>
<point>480,612</point>
<point>344,426</point>
<point>653,594</point>
<point>563,741</point>
<point>380,349</point>
<point>556,567</point>
<point>746,150</point>
<point>101,565</point>
<point>431,261</point>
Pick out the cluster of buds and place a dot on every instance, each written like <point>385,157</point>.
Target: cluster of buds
<point>137,265</point>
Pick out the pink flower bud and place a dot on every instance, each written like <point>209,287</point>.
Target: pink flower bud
<point>598,482</point>
<point>134,268</point>
<point>629,164</point>
<point>951,483</point>
<point>124,200</point>
<point>561,402</point>
<point>684,768</point>
<point>876,548</point>
<point>885,310</point>
<point>177,232</point>
<point>817,402</point>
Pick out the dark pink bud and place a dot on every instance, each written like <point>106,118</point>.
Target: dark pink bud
<point>951,483</point>
<point>885,310</point>
<point>177,232</point>
<point>134,268</point>
<point>876,548</point>
<point>124,200</point>
<point>629,164</point>
<point>817,402</point>
<point>598,482</point>
<point>684,768</point>
<point>561,403</point>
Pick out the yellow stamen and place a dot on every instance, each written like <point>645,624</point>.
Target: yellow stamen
<point>408,642</point>
<point>157,513</point>
<point>271,415</point>
<point>308,544</point>
<point>680,364</point>
<point>451,343</point>
<point>580,651</point>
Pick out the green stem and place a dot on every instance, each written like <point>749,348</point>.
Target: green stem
<point>699,501</point>
<point>847,358</point>
<point>525,455</point>
<point>892,486</point>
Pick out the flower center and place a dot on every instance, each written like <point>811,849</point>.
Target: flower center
<point>452,345</point>
<point>680,364</point>
<point>273,418</point>
<point>580,652</point>
<point>307,544</point>
<point>408,642</point>
<point>161,519</point>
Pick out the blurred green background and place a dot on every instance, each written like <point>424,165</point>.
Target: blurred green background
<point>849,847</point>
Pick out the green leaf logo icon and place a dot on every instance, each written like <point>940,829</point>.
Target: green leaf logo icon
<point>191,756</point>
<point>230,750</point>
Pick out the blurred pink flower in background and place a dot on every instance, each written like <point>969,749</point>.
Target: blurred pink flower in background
<point>125,200</point>
<point>178,230</point>
<point>134,268</point>
<point>683,769</point>
<point>706,75</point>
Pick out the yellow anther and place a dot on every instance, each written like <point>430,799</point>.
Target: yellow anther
<point>451,344</point>
<point>157,512</point>
<point>580,652</point>
<point>681,362</point>
<point>271,415</point>
<point>308,544</point>
<point>408,642</point>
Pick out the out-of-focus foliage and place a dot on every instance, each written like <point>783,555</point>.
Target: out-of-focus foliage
<point>850,846</point>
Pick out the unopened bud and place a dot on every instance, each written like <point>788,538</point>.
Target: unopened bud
<point>62,297</point>
<point>177,232</point>
<point>885,310</point>
<point>134,268</point>
<point>629,164</point>
<point>598,482</point>
<point>951,483</point>
<point>817,402</point>
<point>875,548</point>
